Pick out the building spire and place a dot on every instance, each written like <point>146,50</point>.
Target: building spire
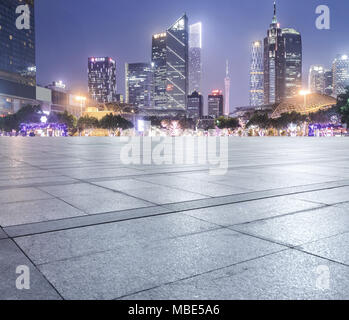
<point>275,20</point>
<point>227,68</point>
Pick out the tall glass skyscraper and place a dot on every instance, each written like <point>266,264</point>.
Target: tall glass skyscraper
<point>328,82</point>
<point>177,60</point>
<point>340,69</point>
<point>170,59</point>
<point>256,75</point>
<point>215,104</point>
<point>102,79</point>
<point>17,42</point>
<point>316,79</point>
<point>293,62</point>
<point>282,63</point>
<point>160,70</point>
<point>139,78</point>
<point>274,63</point>
<point>195,64</point>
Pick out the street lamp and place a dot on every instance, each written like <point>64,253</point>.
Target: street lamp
<point>82,100</point>
<point>305,93</point>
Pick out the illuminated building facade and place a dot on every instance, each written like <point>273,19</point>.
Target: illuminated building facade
<point>195,105</point>
<point>17,46</point>
<point>160,70</point>
<point>256,75</point>
<point>227,90</point>
<point>195,64</point>
<point>282,63</point>
<point>170,60</point>
<point>102,79</point>
<point>17,56</point>
<point>215,104</point>
<point>274,63</point>
<point>139,77</point>
<point>293,62</point>
<point>328,82</point>
<point>177,60</point>
<point>316,80</point>
<point>340,69</point>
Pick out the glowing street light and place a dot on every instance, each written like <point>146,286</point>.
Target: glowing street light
<point>82,100</point>
<point>305,93</point>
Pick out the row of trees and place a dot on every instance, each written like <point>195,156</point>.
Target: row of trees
<point>263,121</point>
<point>26,114</point>
<point>33,114</point>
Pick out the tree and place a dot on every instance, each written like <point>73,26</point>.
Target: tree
<point>343,106</point>
<point>113,122</point>
<point>9,123</point>
<point>227,123</point>
<point>286,118</point>
<point>259,119</point>
<point>26,114</point>
<point>29,114</point>
<point>65,118</point>
<point>87,122</point>
<point>323,116</point>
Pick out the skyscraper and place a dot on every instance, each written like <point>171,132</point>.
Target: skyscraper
<point>102,79</point>
<point>215,104</point>
<point>340,69</point>
<point>17,42</point>
<point>316,80</point>
<point>282,62</point>
<point>160,70</point>
<point>256,75</point>
<point>293,62</point>
<point>17,55</point>
<point>274,63</point>
<point>139,77</point>
<point>227,90</point>
<point>328,82</point>
<point>195,105</point>
<point>177,60</point>
<point>170,58</point>
<point>195,65</point>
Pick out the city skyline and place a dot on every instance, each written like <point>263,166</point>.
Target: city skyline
<point>215,49</point>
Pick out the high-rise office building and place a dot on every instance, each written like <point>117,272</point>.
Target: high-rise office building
<point>170,59</point>
<point>17,55</point>
<point>316,80</point>
<point>195,105</point>
<point>160,70</point>
<point>139,77</point>
<point>17,42</point>
<point>256,75</point>
<point>328,82</point>
<point>282,62</point>
<point>293,62</point>
<point>227,90</point>
<point>195,64</point>
<point>177,59</point>
<point>274,63</point>
<point>215,104</point>
<point>102,79</point>
<point>340,69</point>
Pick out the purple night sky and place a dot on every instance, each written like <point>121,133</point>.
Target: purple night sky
<point>69,31</point>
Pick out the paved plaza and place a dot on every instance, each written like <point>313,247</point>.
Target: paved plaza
<point>89,226</point>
